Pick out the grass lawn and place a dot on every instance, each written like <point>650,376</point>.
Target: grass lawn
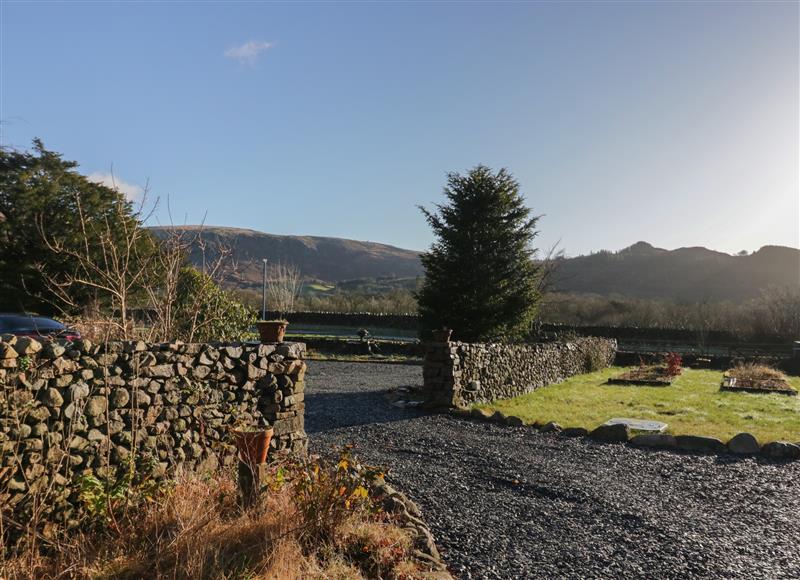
<point>692,405</point>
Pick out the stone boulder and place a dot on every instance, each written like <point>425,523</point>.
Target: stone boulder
<point>743,444</point>
<point>655,441</point>
<point>617,433</point>
<point>699,444</point>
<point>551,427</point>
<point>781,450</point>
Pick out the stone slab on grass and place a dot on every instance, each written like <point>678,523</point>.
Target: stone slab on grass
<point>639,424</point>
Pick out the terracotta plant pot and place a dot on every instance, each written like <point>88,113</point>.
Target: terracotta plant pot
<point>271,330</point>
<point>441,335</point>
<point>253,446</point>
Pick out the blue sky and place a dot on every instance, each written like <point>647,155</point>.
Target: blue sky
<point>671,122</point>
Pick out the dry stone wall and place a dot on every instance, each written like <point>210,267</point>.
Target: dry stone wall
<point>73,409</point>
<point>458,374</point>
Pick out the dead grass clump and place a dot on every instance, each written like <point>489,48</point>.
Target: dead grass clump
<point>313,520</point>
<point>756,372</point>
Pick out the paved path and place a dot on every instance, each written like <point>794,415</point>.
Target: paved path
<point>512,503</point>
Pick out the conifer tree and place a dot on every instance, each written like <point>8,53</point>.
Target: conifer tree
<point>480,277</point>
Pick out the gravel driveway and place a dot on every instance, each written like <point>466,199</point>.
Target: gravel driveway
<point>512,503</point>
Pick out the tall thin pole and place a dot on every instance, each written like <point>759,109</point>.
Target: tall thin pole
<point>264,293</point>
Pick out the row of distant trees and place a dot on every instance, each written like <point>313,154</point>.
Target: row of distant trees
<point>775,313</point>
<point>79,249</point>
<point>73,247</point>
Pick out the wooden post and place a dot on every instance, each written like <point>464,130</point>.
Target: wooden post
<point>250,478</point>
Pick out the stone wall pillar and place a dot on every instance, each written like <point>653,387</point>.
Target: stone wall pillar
<point>441,374</point>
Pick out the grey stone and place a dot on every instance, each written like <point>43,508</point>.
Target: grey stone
<point>616,433</point>
<point>78,442</point>
<point>53,350</point>
<point>39,429</point>
<point>513,421</point>
<point>700,444</point>
<point>639,424</point>
<point>27,346</point>
<point>7,351</point>
<point>119,397</point>
<point>96,406</point>
<point>96,435</point>
<point>575,432</point>
<point>743,444</point>
<point>52,398</point>
<point>781,450</point>
<point>655,441</point>
<point>134,346</point>
<point>551,427</point>
<point>234,352</point>
<point>141,399</point>
<point>163,371</point>
<point>78,391</point>
<point>21,431</point>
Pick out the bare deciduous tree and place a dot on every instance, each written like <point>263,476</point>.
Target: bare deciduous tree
<point>114,266</point>
<point>163,291</point>
<point>283,286</point>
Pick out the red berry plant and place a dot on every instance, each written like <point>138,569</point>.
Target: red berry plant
<point>673,364</point>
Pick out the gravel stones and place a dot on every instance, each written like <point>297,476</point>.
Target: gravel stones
<point>511,503</point>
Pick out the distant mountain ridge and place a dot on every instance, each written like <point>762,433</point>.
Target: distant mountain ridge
<point>685,274</point>
<point>640,271</point>
<point>322,258</point>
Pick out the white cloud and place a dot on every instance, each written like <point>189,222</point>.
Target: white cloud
<point>248,52</point>
<point>130,190</point>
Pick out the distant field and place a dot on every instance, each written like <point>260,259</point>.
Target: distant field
<point>318,287</point>
<point>692,405</point>
<point>318,330</point>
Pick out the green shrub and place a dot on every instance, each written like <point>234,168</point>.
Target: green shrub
<point>206,312</point>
